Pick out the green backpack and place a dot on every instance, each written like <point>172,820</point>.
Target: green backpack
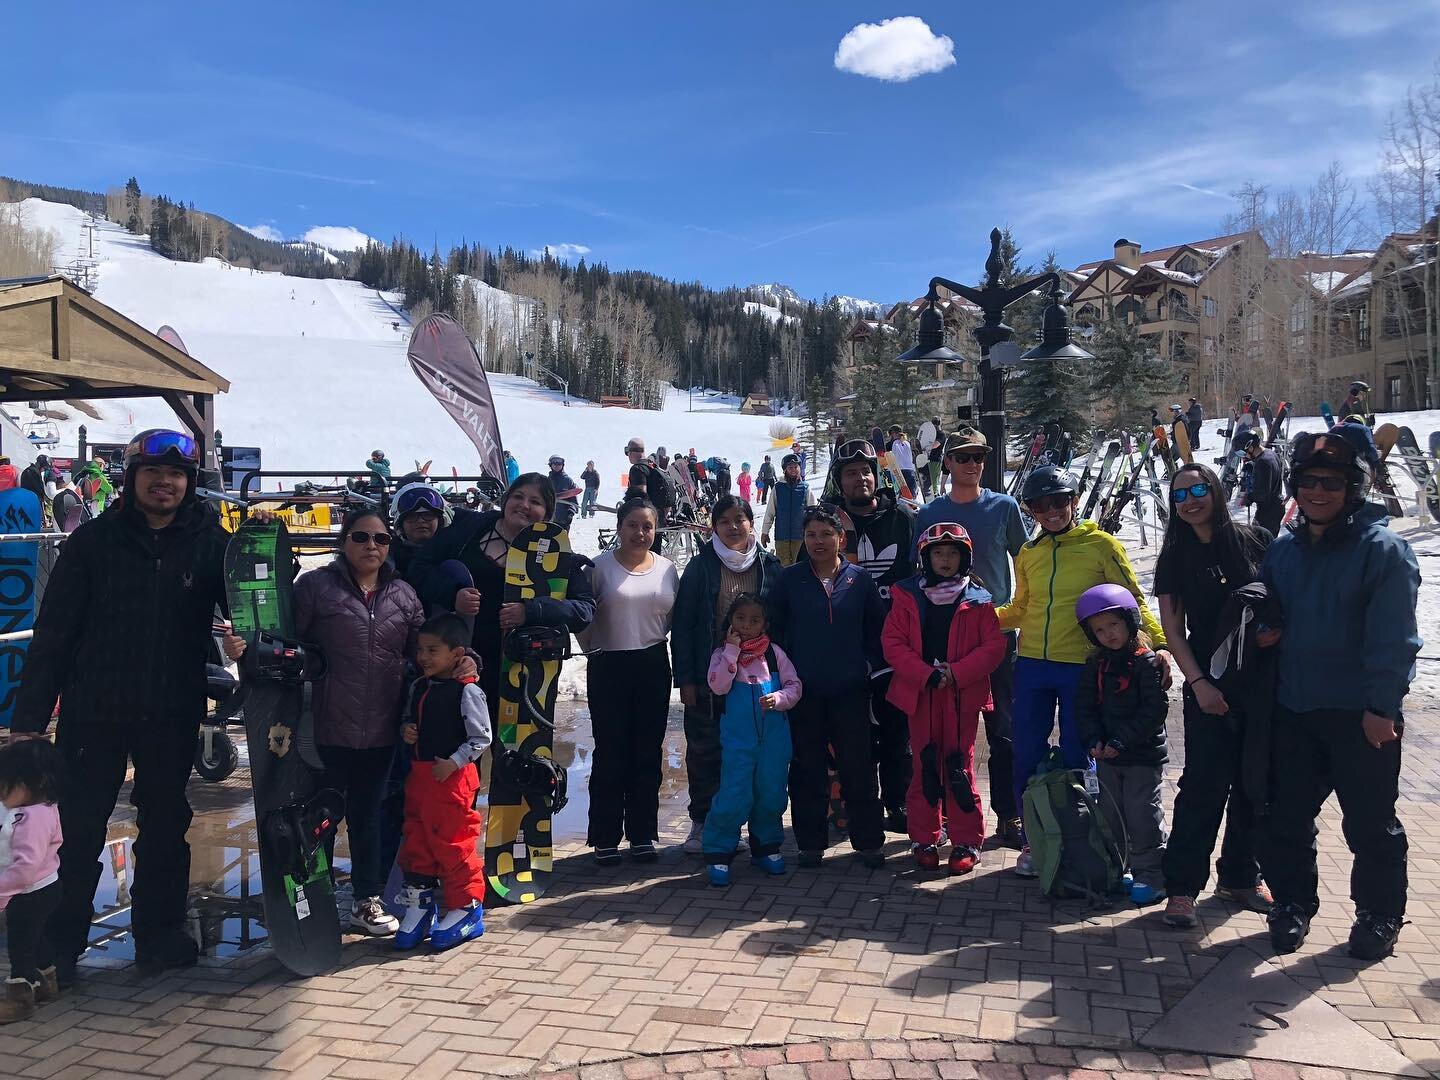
<point>1070,841</point>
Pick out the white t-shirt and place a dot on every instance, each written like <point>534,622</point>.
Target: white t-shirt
<point>904,459</point>
<point>632,610</point>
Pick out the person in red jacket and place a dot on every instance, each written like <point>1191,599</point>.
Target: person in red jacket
<point>943,639</point>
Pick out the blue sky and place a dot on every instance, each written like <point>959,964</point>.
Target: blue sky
<point>710,141</point>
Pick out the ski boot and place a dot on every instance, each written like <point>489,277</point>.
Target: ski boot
<point>771,864</point>
<point>963,859</point>
<point>927,856</point>
<point>418,917</point>
<point>1373,937</point>
<point>719,874</point>
<point>1143,895</point>
<point>1288,924</point>
<point>458,925</point>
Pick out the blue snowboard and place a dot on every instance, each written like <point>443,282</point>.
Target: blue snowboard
<point>19,562</point>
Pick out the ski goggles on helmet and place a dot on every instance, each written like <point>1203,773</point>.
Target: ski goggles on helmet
<point>855,450</point>
<point>158,445</point>
<point>418,498</point>
<point>1199,490</point>
<point>946,532</point>
<point>1325,449</point>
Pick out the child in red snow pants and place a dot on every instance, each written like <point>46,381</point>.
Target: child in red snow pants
<point>442,833</point>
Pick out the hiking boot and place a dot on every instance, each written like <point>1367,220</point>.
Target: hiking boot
<point>607,856</point>
<point>1143,895</point>
<point>18,1002</point>
<point>1180,912</point>
<point>166,952</point>
<point>418,918</point>
<point>1373,937</point>
<point>1012,833</point>
<point>643,851</point>
<point>873,859</point>
<point>458,925</point>
<point>368,916</point>
<point>1288,923</point>
<point>810,860</point>
<point>48,989</point>
<point>897,821</point>
<point>719,874</point>
<point>927,856</point>
<point>695,842</point>
<point>963,860</point>
<point>1256,899</point>
<point>1025,864</point>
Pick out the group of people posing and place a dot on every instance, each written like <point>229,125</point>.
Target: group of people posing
<point>876,654</point>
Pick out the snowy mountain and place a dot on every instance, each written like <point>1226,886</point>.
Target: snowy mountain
<point>852,305</point>
<point>773,293</point>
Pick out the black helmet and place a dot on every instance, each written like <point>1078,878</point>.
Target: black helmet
<point>854,450</point>
<point>1350,448</point>
<point>1252,438</point>
<point>1359,387</point>
<point>1048,480</point>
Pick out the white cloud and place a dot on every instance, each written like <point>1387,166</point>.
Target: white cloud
<point>563,252</point>
<point>896,50</point>
<point>336,237</point>
<point>264,232</point>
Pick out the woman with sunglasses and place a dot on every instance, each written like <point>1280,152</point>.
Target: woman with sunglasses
<point>364,618</point>
<point>1066,558</point>
<point>1207,555</point>
<point>481,541</point>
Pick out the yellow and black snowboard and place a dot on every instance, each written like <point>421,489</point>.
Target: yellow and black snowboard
<point>526,786</point>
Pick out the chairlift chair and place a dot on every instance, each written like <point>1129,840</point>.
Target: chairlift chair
<point>42,433</point>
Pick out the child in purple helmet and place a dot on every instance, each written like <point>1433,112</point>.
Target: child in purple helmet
<point>1120,711</point>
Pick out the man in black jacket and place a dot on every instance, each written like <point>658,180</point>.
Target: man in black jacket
<point>1194,418</point>
<point>1267,484</point>
<point>878,536</point>
<point>33,477</point>
<point>122,638</point>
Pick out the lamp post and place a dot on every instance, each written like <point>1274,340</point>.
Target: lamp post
<point>993,298</point>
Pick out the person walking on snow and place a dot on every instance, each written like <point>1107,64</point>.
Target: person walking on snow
<point>943,640</point>
<point>1194,420</point>
<point>1348,587</point>
<point>785,512</point>
<point>134,592</point>
<point>447,727</point>
<point>759,686</point>
<point>997,532</point>
<point>567,492</point>
<point>765,480</point>
<point>591,479</point>
<point>743,481</point>
<point>1120,711</point>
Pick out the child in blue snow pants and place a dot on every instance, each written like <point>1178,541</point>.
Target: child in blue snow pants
<point>758,686</point>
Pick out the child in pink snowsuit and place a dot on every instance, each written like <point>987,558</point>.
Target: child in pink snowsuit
<point>745,480</point>
<point>943,639</point>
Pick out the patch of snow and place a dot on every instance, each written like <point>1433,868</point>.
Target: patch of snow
<point>337,237</point>
<point>772,313</point>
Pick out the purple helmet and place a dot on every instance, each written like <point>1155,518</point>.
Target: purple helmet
<point>1107,597</point>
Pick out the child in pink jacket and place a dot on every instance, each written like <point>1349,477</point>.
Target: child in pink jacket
<point>943,639</point>
<point>758,685</point>
<point>30,771</point>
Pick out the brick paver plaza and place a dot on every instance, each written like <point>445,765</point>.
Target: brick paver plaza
<point>647,971</point>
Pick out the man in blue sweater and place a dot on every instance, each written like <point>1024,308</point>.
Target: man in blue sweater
<point>992,518</point>
<point>1348,587</point>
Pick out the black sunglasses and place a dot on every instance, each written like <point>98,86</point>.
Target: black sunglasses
<point>359,536</point>
<point>968,458</point>
<point>1199,490</point>
<point>1309,481</point>
<point>1045,503</point>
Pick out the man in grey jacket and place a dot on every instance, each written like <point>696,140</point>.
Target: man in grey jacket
<point>1348,587</point>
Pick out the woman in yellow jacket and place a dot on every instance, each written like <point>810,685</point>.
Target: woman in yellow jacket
<point>1063,560</point>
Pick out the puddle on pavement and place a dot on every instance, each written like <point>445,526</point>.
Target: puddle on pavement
<point>224,862</point>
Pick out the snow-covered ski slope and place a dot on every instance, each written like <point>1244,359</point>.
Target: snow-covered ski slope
<point>319,376</point>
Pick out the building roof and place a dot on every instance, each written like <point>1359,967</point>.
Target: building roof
<point>1215,243</point>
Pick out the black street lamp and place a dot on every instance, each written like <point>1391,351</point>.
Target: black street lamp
<point>992,299</point>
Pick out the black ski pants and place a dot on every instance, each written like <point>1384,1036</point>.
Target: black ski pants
<point>1001,766</point>
<point>361,775</point>
<point>1313,754</point>
<point>25,935</point>
<point>841,722</point>
<point>629,695</point>
<point>702,751</point>
<point>1269,516</point>
<point>1210,786</point>
<point>163,752</point>
<point>891,735</point>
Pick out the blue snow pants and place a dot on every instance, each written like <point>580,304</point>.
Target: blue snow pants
<point>1040,687</point>
<point>754,772</point>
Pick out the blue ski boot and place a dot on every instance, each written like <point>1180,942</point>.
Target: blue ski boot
<point>719,874</point>
<point>417,918</point>
<point>771,864</point>
<point>458,925</point>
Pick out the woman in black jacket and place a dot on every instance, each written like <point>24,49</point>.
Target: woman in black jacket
<point>1205,556</point>
<point>481,542</point>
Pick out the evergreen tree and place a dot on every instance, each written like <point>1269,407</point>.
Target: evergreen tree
<point>1126,382</point>
<point>877,384</point>
<point>816,423</point>
<point>133,221</point>
<point>160,225</point>
<point>1039,392</point>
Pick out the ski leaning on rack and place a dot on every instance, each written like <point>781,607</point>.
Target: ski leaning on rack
<point>526,786</point>
<point>1102,478</point>
<point>295,819</point>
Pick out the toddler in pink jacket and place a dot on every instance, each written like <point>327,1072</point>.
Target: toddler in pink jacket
<point>30,771</point>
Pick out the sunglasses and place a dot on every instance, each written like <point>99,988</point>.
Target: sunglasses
<point>634,449</point>
<point>1309,481</point>
<point>1199,490</point>
<point>1046,503</point>
<point>360,536</point>
<point>970,458</point>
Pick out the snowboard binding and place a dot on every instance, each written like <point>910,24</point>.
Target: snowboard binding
<point>539,777</point>
<point>269,657</point>
<point>295,833</point>
<point>536,644</point>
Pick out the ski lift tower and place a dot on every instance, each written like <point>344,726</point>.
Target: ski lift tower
<point>534,369</point>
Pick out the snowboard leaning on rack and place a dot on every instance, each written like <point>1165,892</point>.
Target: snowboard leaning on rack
<point>519,851</point>
<point>295,819</point>
<point>1421,470</point>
